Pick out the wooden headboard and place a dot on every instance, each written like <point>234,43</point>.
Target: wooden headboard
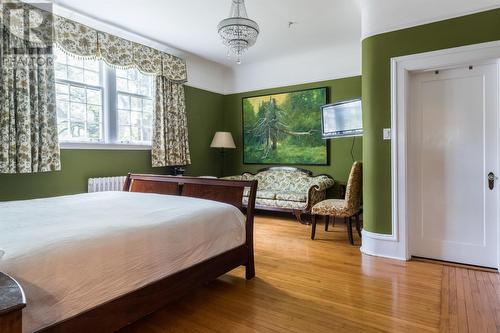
<point>226,191</point>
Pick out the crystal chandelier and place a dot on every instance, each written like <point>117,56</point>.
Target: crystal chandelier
<point>238,32</point>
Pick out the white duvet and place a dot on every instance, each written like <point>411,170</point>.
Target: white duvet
<point>75,252</point>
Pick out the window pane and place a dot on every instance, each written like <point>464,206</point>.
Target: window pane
<point>148,105</point>
<point>60,71</point>
<point>123,102</point>
<point>94,131</point>
<point>135,118</point>
<point>94,97</point>
<point>79,107</point>
<point>134,82</point>
<point>136,134</point>
<point>62,110</point>
<point>91,78</point>
<point>92,65</point>
<point>124,133</point>
<point>146,134</point>
<point>132,87</point>
<point>77,130</point>
<point>121,73</point>
<point>75,74</point>
<point>136,104</point>
<point>78,112</point>
<point>74,61</point>
<point>121,84</point>
<point>62,92</point>
<point>77,95</point>
<point>147,119</point>
<point>63,129</point>
<point>132,74</point>
<point>123,117</point>
<point>93,114</point>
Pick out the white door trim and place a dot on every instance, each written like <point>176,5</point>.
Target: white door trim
<point>395,245</point>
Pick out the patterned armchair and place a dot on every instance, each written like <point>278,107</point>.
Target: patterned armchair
<point>287,189</point>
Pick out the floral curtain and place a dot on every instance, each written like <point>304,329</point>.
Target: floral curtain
<point>28,124</point>
<point>170,134</point>
<point>170,140</point>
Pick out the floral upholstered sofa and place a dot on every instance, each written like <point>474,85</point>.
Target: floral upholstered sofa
<point>287,189</point>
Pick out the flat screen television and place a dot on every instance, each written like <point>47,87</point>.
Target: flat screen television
<point>343,119</point>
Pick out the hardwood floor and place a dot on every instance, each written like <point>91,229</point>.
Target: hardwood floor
<point>327,285</point>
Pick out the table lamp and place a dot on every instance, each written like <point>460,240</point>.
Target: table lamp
<point>222,141</point>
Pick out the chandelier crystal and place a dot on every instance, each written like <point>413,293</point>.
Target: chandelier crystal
<point>238,32</point>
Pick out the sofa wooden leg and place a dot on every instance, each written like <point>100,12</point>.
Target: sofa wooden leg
<point>298,216</point>
<point>327,221</point>
<point>313,227</point>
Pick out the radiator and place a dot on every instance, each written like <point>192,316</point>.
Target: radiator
<point>106,184</point>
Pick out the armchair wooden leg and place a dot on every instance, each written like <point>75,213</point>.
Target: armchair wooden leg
<point>313,227</point>
<point>332,219</point>
<point>327,221</point>
<point>349,230</point>
<point>358,225</point>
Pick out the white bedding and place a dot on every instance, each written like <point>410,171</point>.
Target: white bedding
<point>75,252</point>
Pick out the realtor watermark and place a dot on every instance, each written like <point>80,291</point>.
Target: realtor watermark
<point>29,25</point>
<point>27,33</point>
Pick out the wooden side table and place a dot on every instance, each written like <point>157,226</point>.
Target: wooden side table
<point>12,302</point>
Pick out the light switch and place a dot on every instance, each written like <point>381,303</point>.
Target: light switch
<point>387,134</point>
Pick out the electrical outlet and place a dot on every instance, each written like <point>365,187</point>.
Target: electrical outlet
<point>387,134</point>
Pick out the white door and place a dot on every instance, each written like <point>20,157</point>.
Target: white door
<point>452,147</point>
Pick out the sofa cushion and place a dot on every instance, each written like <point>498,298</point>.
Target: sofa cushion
<point>277,204</point>
<point>261,194</point>
<point>292,196</point>
<point>266,195</point>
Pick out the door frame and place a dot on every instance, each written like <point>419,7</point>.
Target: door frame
<point>401,69</point>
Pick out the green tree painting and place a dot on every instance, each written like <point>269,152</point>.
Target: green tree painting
<point>284,128</point>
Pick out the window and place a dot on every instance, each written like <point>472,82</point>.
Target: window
<point>135,106</point>
<point>79,99</point>
<point>98,104</point>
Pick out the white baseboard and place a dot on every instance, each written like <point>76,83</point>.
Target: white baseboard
<point>379,245</point>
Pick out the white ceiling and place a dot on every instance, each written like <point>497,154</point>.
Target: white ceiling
<point>380,16</point>
<point>191,25</point>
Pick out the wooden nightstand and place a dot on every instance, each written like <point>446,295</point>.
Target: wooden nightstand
<point>12,302</point>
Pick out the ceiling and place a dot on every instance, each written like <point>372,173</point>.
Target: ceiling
<point>191,25</point>
<point>380,16</point>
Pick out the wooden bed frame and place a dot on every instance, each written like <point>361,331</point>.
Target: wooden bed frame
<point>120,312</point>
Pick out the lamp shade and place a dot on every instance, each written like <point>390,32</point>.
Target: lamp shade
<point>223,140</point>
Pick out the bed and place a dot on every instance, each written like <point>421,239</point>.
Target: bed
<point>100,261</point>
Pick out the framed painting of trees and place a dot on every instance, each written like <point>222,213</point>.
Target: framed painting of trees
<point>285,128</point>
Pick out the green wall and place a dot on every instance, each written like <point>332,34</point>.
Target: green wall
<point>205,116</point>
<point>340,149</point>
<point>377,52</point>
<point>204,111</point>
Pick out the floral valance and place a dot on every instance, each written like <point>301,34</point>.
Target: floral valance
<point>85,42</point>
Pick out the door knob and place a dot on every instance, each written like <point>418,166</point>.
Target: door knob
<point>491,180</point>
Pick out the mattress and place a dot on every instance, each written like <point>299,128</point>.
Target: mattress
<point>73,253</point>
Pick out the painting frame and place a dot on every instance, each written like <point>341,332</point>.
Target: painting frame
<point>326,141</point>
